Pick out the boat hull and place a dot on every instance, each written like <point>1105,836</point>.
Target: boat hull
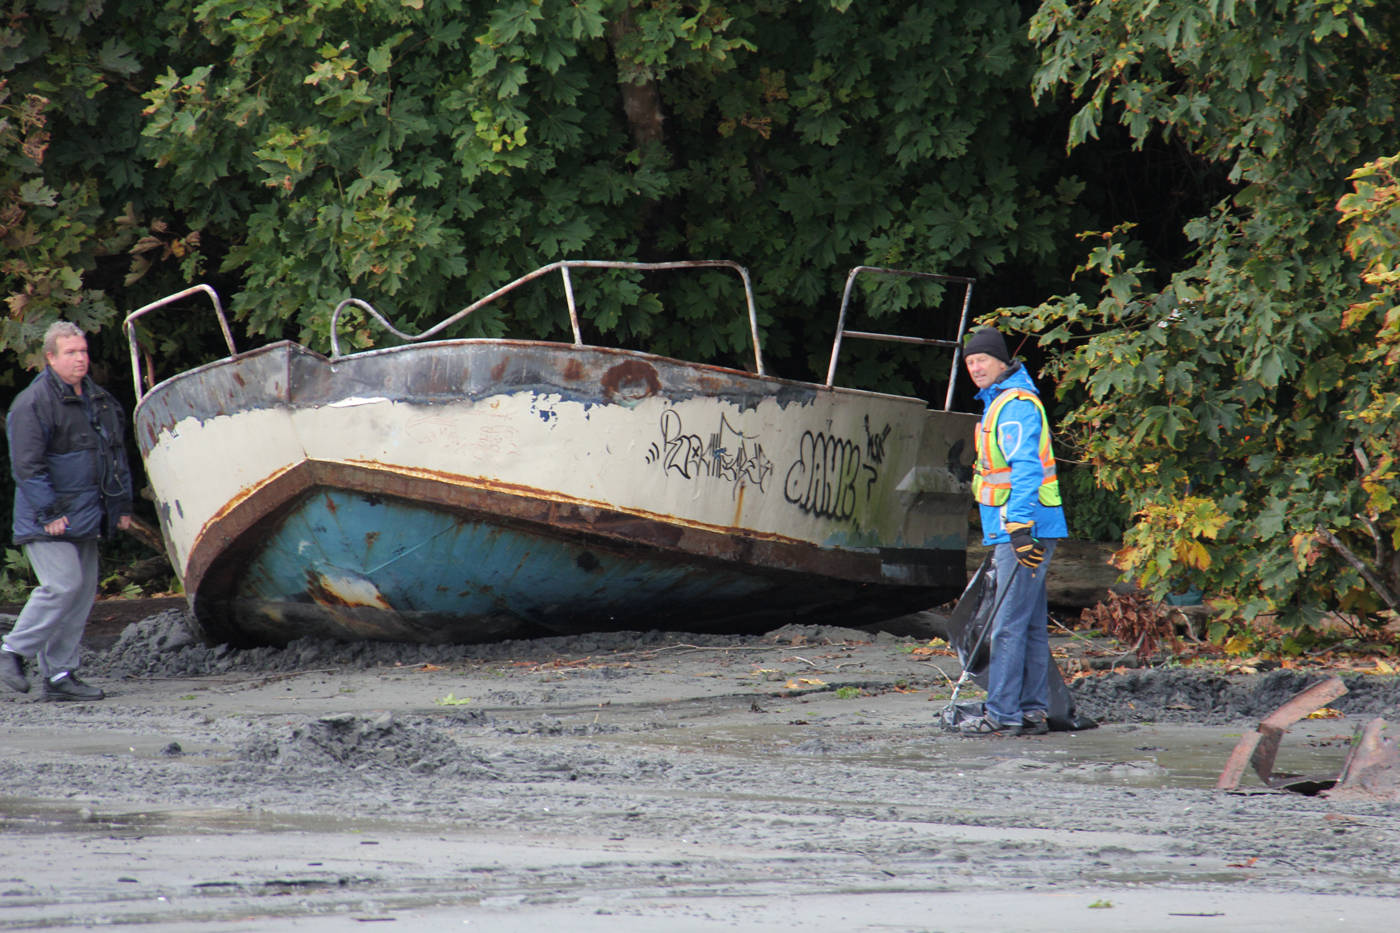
<point>481,489</point>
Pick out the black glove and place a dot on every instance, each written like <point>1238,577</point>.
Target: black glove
<point>1030,550</point>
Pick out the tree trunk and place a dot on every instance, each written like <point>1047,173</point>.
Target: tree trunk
<point>641,99</point>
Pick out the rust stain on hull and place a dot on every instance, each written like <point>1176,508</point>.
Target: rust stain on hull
<point>630,381</point>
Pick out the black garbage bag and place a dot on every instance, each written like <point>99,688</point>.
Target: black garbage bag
<point>969,634</point>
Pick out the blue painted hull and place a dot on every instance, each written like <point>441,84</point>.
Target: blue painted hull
<point>395,569</point>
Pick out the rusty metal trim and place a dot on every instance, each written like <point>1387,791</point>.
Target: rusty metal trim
<point>523,506</point>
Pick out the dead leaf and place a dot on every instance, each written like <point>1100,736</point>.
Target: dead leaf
<point>1326,712</point>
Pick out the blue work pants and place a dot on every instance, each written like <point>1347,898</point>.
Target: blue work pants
<point>1019,671</point>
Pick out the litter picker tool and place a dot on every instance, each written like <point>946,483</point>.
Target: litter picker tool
<point>969,608</point>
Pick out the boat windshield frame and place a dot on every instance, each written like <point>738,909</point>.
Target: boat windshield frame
<point>562,266</point>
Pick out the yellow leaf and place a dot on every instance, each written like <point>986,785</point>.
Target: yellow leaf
<point>1238,645</point>
<point>1326,712</point>
<point>1384,667</point>
<point>1193,553</point>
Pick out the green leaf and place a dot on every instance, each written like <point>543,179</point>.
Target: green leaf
<point>34,192</point>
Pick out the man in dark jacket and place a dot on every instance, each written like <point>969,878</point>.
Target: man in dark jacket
<point>72,487</point>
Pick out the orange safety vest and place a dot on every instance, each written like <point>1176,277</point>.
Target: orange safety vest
<point>991,485</point>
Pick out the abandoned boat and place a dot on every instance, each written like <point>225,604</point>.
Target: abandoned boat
<point>463,490</point>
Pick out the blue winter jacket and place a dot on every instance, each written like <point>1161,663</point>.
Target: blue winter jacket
<point>67,457</point>
<point>1018,435</point>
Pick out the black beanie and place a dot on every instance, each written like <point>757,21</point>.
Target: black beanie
<point>988,340</point>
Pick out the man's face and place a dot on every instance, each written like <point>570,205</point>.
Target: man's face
<point>984,369</point>
<point>69,359</point>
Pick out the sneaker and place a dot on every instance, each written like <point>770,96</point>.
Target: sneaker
<point>67,686</point>
<point>12,671</point>
<point>1035,723</point>
<point>986,725</point>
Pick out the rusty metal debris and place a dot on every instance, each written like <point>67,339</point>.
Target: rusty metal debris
<point>1371,769</point>
<point>1260,747</point>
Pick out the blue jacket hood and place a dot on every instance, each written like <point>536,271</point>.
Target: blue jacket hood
<point>1015,377</point>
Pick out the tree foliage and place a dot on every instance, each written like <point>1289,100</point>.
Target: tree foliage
<point>418,155</point>
<point>1243,402</point>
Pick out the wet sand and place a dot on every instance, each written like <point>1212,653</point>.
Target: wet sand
<point>645,781</point>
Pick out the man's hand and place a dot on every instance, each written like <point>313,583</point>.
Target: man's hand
<point>124,523</point>
<point>1030,551</point>
<point>58,526</point>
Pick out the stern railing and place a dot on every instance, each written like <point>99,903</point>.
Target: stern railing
<point>956,344</point>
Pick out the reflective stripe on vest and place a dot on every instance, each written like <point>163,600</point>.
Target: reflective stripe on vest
<point>992,483</point>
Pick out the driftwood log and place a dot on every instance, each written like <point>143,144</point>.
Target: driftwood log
<point>1080,574</point>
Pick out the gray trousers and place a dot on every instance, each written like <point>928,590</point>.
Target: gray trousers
<point>51,624</point>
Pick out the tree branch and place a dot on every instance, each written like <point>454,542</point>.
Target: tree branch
<point>1366,574</point>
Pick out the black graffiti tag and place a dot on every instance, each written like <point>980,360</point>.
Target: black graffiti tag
<point>730,454</point>
<point>875,442</point>
<point>822,481</point>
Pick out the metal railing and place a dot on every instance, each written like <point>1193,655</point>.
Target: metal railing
<point>128,327</point>
<point>956,344</point>
<point>563,266</point>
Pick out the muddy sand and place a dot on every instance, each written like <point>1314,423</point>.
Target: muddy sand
<point>663,781</point>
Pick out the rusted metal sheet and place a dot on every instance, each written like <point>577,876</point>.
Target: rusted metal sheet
<point>1372,768</point>
<point>469,489</point>
<point>1260,747</point>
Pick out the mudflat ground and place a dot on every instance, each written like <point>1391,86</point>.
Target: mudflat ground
<point>663,781</point>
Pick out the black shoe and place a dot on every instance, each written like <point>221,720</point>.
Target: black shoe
<point>69,687</point>
<point>1035,723</point>
<point>12,671</point>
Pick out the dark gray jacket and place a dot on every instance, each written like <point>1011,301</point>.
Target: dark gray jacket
<point>68,457</point>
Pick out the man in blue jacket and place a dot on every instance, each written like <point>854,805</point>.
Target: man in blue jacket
<point>1019,497</point>
<point>72,487</point>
